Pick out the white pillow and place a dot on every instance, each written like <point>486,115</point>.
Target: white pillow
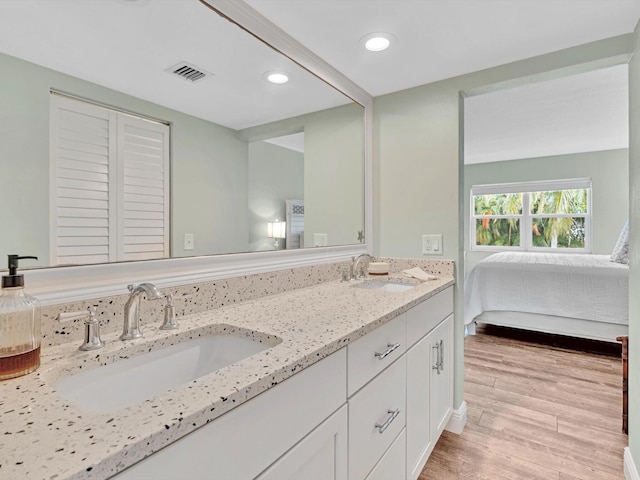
<point>621,251</point>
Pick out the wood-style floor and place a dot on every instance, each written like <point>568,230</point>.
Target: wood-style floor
<point>534,412</point>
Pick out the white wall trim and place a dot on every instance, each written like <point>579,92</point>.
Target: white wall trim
<point>458,420</point>
<point>630,470</point>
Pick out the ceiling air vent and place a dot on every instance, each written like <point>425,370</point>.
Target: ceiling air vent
<point>189,72</point>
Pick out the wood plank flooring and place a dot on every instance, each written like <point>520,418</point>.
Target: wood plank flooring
<point>535,411</point>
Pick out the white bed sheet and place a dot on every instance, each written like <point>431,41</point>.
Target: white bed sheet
<point>588,287</point>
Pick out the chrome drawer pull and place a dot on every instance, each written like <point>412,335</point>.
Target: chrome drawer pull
<point>383,427</point>
<point>441,351</point>
<point>391,348</point>
<point>437,365</point>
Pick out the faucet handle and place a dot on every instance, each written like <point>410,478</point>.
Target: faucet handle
<point>92,340</point>
<point>170,321</point>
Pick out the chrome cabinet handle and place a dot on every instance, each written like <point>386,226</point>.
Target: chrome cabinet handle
<point>441,351</point>
<point>392,417</point>
<point>437,365</point>
<point>391,348</point>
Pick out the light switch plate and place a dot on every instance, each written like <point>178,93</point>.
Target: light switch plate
<point>432,244</point>
<point>188,241</point>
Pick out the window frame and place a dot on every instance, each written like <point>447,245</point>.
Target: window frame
<point>525,218</point>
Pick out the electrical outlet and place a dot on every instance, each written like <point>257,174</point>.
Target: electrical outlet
<point>188,241</point>
<point>432,244</point>
<point>320,239</point>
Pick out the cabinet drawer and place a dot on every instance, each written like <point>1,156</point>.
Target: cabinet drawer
<point>422,318</point>
<point>369,355</point>
<point>376,417</point>
<point>392,463</point>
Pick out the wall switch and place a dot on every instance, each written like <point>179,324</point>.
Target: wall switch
<point>188,241</point>
<point>432,244</point>
<point>320,239</point>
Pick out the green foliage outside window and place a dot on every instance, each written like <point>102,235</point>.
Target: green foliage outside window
<point>556,219</point>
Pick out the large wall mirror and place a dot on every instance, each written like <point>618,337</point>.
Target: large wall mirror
<point>136,130</point>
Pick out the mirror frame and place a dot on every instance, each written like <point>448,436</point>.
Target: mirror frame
<point>67,284</point>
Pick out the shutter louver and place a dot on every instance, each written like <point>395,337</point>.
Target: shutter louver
<point>144,211</point>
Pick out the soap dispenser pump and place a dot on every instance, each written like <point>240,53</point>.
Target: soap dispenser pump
<point>19,325</point>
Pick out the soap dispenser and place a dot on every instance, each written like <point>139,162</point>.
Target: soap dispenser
<point>19,325</point>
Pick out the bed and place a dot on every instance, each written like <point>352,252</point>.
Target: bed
<point>568,294</point>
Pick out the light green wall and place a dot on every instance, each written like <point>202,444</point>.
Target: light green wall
<point>634,270</point>
<point>609,174</point>
<point>417,157</point>
<point>334,175</point>
<point>333,169</point>
<point>209,165</point>
<point>276,174</point>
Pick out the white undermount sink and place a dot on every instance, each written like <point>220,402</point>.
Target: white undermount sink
<point>387,285</point>
<point>133,380</point>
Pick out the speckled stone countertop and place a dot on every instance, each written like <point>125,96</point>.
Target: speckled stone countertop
<point>43,436</point>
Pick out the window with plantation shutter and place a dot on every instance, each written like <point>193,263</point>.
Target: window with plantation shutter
<point>109,184</point>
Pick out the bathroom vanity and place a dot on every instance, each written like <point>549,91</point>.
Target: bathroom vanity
<point>352,383</point>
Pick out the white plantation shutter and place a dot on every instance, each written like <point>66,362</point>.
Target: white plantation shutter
<point>83,150</point>
<point>109,185</point>
<point>143,179</point>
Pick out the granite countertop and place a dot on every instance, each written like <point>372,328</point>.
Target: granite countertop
<point>45,437</point>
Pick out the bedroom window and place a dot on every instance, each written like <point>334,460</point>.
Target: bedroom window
<point>536,216</point>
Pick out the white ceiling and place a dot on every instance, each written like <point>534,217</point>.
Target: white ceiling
<point>127,45</point>
<point>294,142</point>
<point>438,39</point>
<point>581,113</point>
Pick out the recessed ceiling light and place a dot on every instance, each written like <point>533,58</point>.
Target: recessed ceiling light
<point>377,42</point>
<point>276,77</point>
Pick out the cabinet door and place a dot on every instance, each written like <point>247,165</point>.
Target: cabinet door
<point>321,455</point>
<point>419,445</point>
<point>441,395</point>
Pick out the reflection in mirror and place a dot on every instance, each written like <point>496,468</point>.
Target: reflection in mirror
<point>276,176</point>
<point>228,162</point>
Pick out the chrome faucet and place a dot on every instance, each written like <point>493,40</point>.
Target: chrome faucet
<point>356,262</point>
<point>92,340</point>
<point>132,308</point>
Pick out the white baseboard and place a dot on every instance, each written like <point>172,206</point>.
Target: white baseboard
<point>459,419</point>
<point>630,470</point>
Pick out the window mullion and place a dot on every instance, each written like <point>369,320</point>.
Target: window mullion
<point>525,229</point>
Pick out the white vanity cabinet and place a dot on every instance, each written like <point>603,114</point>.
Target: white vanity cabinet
<point>429,377</point>
<point>392,464</point>
<point>370,411</point>
<point>244,442</point>
<point>321,455</point>
<point>407,361</point>
<point>376,417</point>
<point>441,391</point>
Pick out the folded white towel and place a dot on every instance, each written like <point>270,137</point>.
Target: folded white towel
<point>418,273</point>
